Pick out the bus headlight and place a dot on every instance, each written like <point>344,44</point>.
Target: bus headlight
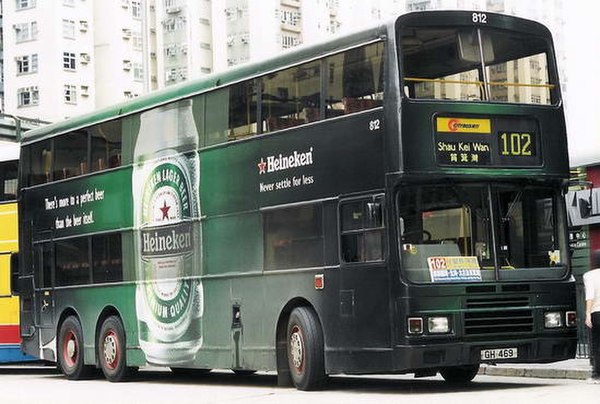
<point>438,325</point>
<point>553,319</point>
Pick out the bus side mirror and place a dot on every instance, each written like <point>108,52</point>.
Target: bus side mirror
<point>14,274</point>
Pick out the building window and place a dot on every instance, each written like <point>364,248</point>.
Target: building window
<point>69,61</point>
<point>27,31</point>
<point>27,64</point>
<point>28,96</point>
<point>136,9</point>
<point>23,4</point>
<point>136,41</point>
<point>70,94</point>
<point>138,72</point>
<point>68,29</point>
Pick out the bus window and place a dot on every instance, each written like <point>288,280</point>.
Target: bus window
<point>447,64</point>
<point>242,110</point>
<point>8,181</point>
<point>106,145</point>
<point>70,159</point>
<point>454,222</point>
<point>362,231</point>
<point>40,162</point>
<point>355,81</point>
<point>293,237</point>
<point>107,260</point>
<point>72,266</point>
<point>291,97</point>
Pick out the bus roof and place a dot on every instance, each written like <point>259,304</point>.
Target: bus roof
<point>297,55</point>
<point>9,150</point>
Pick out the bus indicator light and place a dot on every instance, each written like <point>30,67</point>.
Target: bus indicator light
<point>415,325</point>
<point>319,281</point>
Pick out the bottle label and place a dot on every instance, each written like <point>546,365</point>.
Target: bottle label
<point>168,291</point>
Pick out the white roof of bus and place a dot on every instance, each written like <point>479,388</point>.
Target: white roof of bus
<point>9,150</point>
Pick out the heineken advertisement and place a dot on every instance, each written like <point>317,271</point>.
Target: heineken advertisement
<point>169,295</point>
<point>91,204</point>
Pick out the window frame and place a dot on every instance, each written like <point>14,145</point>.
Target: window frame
<point>360,232</point>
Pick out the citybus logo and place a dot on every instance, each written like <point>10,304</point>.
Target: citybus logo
<point>272,164</point>
<point>463,125</point>
<point>455,125</point>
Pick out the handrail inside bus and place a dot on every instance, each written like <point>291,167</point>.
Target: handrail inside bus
<point>478,83</point>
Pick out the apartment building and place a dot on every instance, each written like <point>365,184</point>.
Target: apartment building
<point>67,57</point>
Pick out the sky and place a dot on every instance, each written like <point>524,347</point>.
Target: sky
<point>582,47</point>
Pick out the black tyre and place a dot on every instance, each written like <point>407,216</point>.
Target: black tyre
<point>111,348</point>
<point>70,350</point>
<point>305,349</point>
<point>460,374</point>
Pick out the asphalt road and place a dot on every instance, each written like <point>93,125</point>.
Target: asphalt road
<point>45,385</point>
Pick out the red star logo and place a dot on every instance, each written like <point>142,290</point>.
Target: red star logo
<point>262,167</point>
<point>165,211</point>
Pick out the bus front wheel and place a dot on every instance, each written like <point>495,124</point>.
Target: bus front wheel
<point>460,374</point>
<point>305,349</point>
<point>70,350</point>
<point>111,350</point>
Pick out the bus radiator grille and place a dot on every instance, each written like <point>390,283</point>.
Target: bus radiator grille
<point>498,315</point>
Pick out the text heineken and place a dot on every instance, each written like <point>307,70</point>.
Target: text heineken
<point>167,240</point>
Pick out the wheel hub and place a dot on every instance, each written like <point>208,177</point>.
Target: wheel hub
<point>110,350</point>
<point>71,350</point>
<point>297,349</point>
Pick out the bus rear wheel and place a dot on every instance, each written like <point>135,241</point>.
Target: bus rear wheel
<point>460,374</point>
<point>70,350</point>
<point>111,350</point>
<point>305,349</point>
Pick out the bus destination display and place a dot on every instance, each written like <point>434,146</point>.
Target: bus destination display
<point>487,142</point>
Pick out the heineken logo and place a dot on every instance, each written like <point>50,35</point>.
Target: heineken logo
<point>166,195</point>
<point>167,240</point>
<point>281,162</point>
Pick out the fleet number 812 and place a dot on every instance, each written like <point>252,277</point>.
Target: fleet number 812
<point>516,144</point>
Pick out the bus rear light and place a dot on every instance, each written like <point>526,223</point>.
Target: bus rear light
<point>553,319</point>
<point>438,325</point>
<point>571,318</point>
<point>415,325</point>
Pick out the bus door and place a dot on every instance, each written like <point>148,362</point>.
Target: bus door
<point>364,278</point>
<point>44,289</point>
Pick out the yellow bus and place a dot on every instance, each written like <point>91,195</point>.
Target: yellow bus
<point>10,349</point>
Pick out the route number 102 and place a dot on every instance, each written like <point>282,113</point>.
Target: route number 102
<point>516,144</point>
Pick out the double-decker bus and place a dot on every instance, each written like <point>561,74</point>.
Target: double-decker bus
<point>387,202</point>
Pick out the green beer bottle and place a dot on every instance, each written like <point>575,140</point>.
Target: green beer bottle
<point>169,294</point>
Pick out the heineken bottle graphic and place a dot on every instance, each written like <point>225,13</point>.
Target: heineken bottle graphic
<point>169,294</point>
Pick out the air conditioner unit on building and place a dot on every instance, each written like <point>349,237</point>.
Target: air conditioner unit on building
<point>153,55</point>
<point>125,3</point>
<point>126,64</point>
<point>173,9</point>
<point>83,25</point>
<point>126,33</point>
<point>84,58</point>
<point>85,91</point>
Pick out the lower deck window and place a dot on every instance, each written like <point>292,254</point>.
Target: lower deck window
<point>293,237</point>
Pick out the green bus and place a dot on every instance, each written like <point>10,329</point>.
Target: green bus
<point>390,201</point>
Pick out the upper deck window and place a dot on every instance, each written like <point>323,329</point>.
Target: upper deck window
<point>468,64</point>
